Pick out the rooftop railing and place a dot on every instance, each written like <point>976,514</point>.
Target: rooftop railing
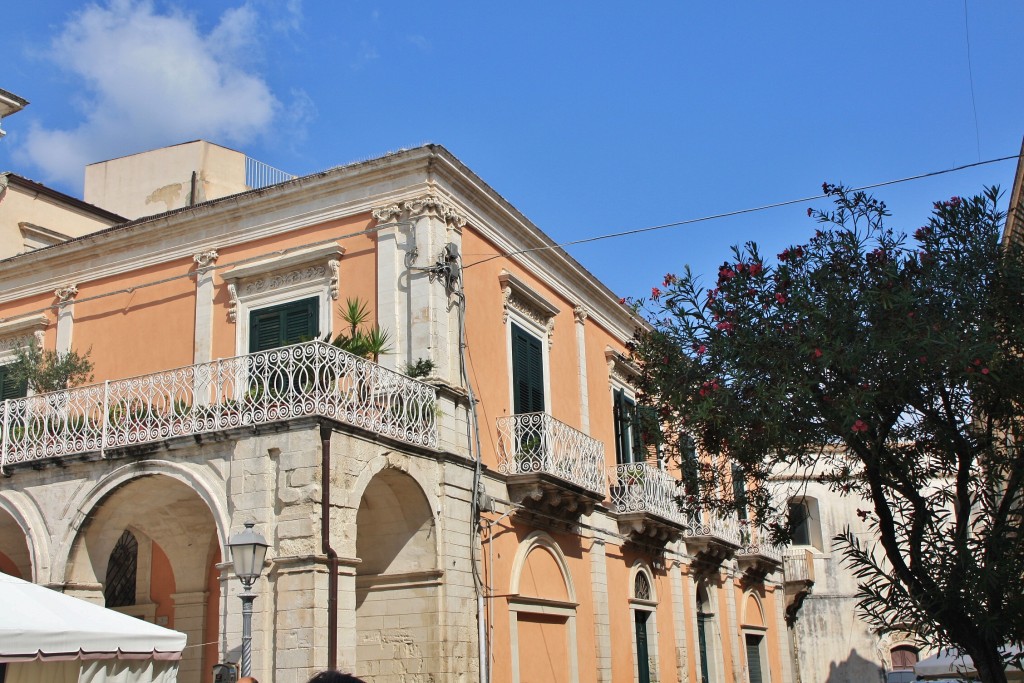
<point>307,379</point>
<point>534,443</point>
<point>259,174</point>
<point>642,487</point>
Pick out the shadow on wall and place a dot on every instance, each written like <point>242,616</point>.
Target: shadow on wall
<point>855,669</point>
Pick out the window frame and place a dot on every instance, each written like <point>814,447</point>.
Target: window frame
<point>540,334</point>
<point>310,302</point>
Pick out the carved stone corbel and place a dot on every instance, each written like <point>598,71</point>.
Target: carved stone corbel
<point>66,294</point>
<point>232,301</point>
<point>205,259</point>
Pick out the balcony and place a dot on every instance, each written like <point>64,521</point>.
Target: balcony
<point>644,500</point>
<point>310,379</point>
<point>757,558</point>
<point>713,538</point>
<point>551,467</point>
<point>798,580</point>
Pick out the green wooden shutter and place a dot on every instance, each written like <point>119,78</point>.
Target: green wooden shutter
<point>702,643</point>
<point>527,372</point>
<point>754,659</point>
<point>739,492</point>
<point>284,324</point>
<point>9,388</point>
<point>643,668</point>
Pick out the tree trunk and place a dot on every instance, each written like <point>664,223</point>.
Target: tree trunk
<point>988,663</point>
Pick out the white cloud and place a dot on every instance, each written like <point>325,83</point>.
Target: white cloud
<point>151,79</point>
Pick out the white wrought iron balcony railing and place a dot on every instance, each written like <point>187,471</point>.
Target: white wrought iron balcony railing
<point>307,379</point>
<point>714,525</point>
<point>754,544</point>
<point>642,487</point>
<point>534,443</point>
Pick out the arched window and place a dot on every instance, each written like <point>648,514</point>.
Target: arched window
<point>644,606</point>
<point>641,586</point>
<point>119,587</point>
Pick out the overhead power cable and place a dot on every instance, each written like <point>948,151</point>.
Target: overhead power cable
<point>624,233</point>
<point>738,212</point>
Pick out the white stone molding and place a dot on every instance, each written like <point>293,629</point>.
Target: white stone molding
<point>519,297</point>
<point>206,258</point>
<point>202,348</point>
<point>20,332</point>
<point>308,272</point>
<point>431,204</point>
<point>66,294</point>
<point>621,370</point>
<point>580,313</point>
<point>539,541</point>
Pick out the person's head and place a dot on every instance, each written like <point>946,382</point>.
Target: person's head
<point>334,677</point>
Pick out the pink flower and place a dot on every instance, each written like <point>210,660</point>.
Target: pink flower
<point>860,426</point>
<point>817,353</point>
<point>701,350</point>
<point>756,268</point>
<point>655,293</point>
<point>810,212</point>
<point>984,371</point>
<point>725,326</point>
<point>780,297</point>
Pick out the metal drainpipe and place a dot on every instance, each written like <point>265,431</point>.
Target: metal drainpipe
<point>325,547</point>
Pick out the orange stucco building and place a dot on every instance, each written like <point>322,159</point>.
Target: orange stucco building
<point>496,518</point>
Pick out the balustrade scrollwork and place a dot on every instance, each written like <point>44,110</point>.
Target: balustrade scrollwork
<point>307,379</point>
<point>538,443</point>
<point>642,487</point>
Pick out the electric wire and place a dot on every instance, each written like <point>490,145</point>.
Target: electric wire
<point>377,228</point>
<point>738,212</point>
<point>970,74</point>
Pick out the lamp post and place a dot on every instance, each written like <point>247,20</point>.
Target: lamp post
<point>248,551</point>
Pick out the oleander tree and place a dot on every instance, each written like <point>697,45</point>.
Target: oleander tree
<point>890,368</point>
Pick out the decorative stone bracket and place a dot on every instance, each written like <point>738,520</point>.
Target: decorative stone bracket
<point>430,204</point>
<point>620,368</point>
<point>519,297</point>
<point>66,294</point>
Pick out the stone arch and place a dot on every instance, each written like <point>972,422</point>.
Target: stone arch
<point>542,612</point>
<point>710,656</point>
<point>24,515</point>
<point>753,610</point>
<point>542,541</point>
<point>178,521</point>
<point>205,487</point>
<point>398,576</point>
<point>640,569</point>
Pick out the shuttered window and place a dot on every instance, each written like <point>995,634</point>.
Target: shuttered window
<point>754,659</point>
<point>290,323</point>
<point>628,445</point>
<point>527,372</point>
<point>9,388</point>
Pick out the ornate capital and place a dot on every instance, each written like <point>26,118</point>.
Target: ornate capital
<point>206,258</point>
<point>581,313</point>
<point>66,294</point>
<point>430,204</point>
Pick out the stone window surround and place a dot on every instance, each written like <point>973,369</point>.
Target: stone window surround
<point>20,332</point>
<point>542,542</point>
<point>298,274</point>
<point>714,634</point>
<point>536,315</point>
<point>651,607</point>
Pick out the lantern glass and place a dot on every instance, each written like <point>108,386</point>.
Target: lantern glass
<point>248,553</point>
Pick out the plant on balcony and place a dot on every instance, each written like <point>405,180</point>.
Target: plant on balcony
<point>421,367</point>
<point>360,339</point>
<point>45,370</point>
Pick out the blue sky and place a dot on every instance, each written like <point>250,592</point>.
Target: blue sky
<point>590,117</point>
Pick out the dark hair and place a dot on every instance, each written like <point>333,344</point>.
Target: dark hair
<point>334,677</point>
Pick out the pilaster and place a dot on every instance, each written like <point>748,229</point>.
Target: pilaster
<point>580,313</point>
<point>65,316</point>
<point>602,622</point>
<point>202,346</point>
<point>680,599</point>
<point>189,618</point>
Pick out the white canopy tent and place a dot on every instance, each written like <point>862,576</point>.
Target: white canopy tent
<point>950,664</point>
<point>48,637</point>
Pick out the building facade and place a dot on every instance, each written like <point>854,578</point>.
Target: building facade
<point>496,518</point>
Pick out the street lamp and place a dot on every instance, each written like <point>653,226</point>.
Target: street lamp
<point>248,551</point>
